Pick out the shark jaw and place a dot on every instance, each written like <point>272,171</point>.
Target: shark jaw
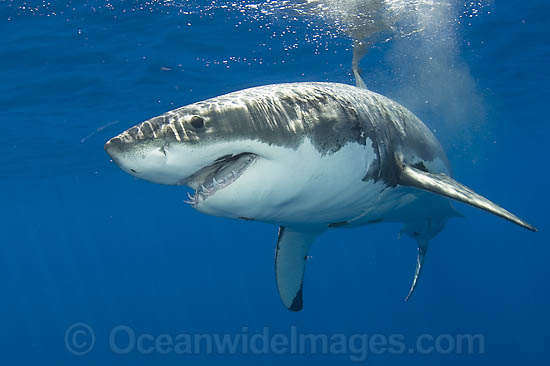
<point>222,173</point>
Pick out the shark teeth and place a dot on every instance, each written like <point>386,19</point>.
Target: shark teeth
<point>192,199</point>
<point>221,177</point>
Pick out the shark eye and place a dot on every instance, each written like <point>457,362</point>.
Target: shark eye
<point>197,122</point>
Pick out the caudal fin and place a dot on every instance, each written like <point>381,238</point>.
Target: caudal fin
<point>422,249</point>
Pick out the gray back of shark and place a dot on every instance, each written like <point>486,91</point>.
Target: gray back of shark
<point>407,156</point>
<point>329,114</point>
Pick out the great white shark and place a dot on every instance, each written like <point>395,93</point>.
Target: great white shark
<point>307,157</point>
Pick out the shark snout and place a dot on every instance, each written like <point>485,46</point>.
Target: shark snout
<point>114,148</point>
<point>119,153</point>
<point>143,160</point>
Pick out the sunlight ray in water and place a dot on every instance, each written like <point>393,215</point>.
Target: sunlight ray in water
<point>421,33</point>
<point>359,19</point>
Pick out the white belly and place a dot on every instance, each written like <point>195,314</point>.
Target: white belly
<point>303,187</point>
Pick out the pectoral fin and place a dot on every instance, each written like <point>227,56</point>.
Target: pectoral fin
<point>444,185</point>
<point>290,262</point>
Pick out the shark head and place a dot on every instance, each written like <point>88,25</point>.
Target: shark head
<point>247,144</point>
<point>198,145</point>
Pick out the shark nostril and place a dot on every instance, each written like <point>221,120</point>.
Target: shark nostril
<point>113,146</point>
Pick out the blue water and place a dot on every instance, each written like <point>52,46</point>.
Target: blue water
<point>83,242</point>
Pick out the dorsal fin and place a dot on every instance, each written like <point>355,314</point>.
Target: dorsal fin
<point>358,80</point>
<point>360,48</point>
<point>290,262</point>
<point>446,186</point>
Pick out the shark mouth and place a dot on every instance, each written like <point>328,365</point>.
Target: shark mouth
<point>217,176</point>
